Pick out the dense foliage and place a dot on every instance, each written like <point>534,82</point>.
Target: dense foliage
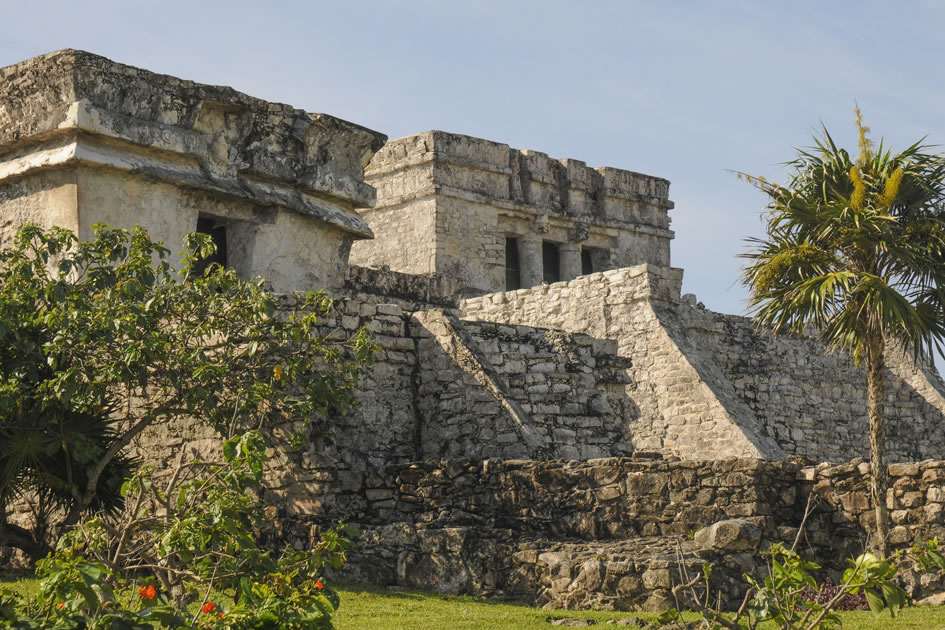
<point>100,339</point>
<point>183,545</point>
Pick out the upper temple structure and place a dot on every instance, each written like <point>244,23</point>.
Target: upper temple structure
<point>85,140</point>
<point>500,219</point>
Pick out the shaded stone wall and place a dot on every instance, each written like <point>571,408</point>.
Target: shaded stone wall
<point>600,499</point>
<point>486,390</point>
<point>443,387</point>
<point>606,533</point>
<point>709,385</point>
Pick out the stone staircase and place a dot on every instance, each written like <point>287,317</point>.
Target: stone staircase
<point>490,390</point>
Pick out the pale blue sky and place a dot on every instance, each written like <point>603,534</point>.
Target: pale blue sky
<point>682,90</point>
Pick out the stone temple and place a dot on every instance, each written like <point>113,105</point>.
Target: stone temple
<point>500,219</point>
<point>547,410</point>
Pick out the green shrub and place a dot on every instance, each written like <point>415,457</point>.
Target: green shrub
<point>178,550</point>
<point>88,327</point>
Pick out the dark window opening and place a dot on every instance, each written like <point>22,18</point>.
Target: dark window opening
<point>587,264</point>
<point>217,233</point>
<point>550,262</point>
<point>513,275</point>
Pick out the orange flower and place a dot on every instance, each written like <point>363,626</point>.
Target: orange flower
<point>147,592</point>
<point>61,605</point>
<point>319,585</point>
<point>221,615</point>
<point>209,607</point>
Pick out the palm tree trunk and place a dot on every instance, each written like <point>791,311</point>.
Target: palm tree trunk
<point>875,366</point>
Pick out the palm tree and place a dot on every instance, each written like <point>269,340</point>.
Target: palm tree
<point>856,249</point>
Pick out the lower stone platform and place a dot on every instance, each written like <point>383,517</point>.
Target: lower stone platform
<point>548,534</point>
<point>632,574</point>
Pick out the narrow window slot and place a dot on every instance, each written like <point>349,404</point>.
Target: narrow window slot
<point>587,264</point>
<point>551,262</point>
<point>513,274</point>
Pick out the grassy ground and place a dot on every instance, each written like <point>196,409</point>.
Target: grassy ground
<point>373,608</point>
<point>369,607</point>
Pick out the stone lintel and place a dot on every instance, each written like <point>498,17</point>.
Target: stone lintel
<point>446,149</point>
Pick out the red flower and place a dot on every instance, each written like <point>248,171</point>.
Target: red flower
<point>147,592</point>
<point>221,615</point>
<point>319,585</point>
<point>61,605</point>
<point>209,607</point>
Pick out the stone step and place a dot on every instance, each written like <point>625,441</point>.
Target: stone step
<point>632,574</point>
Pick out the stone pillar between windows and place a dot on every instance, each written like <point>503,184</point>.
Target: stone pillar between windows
<point>529,260</point>
<point>570,257</point>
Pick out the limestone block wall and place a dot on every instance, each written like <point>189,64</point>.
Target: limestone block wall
<point>812,402</point>
<point>600,499</point>
<point>442,387</point>
<point>708,385</point>
<point>678,410</point>
<point>486,390</point>
<point>448,202</point>
<point>411,292</point>
<point>404,238</point>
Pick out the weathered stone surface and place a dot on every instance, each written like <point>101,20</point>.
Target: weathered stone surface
<point>932,600</point>
<point>448,202</point>
<point>497,528</point>
<point>703,384</point>
<point>730,535</point>
<point>85,140</point>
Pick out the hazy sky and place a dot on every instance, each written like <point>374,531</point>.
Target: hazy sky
<point>681,90</point>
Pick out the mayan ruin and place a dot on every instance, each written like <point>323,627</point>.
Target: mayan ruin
<point>548,411</point>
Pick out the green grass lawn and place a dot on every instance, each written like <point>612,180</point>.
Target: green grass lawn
<point>375,608</point>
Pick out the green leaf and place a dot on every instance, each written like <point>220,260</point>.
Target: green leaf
<point>874,600</point>
<point>351,530</point>
<point>230,448</point>
<point>91,573</point>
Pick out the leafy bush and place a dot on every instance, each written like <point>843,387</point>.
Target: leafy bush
<point>88,327</point>
<point>790,597</point>
<point>177,548</point>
